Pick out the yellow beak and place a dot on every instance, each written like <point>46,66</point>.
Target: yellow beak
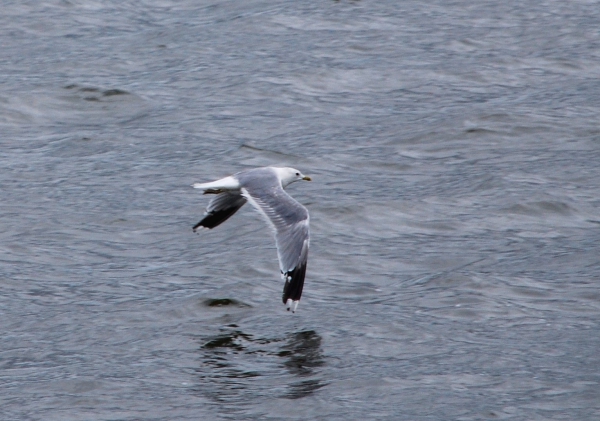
<point>307,178</point>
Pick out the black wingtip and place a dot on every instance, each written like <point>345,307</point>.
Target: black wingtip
<point>222,208</point>
<point>294,282</point>
<point>213,219</point>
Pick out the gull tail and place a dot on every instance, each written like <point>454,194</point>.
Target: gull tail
<point>224,184</point>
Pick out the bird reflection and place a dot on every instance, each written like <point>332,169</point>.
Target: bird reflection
<point>237,366</point>
<point>303,354</point>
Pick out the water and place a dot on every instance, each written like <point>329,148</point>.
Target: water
<point>454,268</point>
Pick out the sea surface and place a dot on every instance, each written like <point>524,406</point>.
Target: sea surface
<point>454,269</point>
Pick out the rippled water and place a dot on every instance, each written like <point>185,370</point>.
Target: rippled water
<point>454,270</point>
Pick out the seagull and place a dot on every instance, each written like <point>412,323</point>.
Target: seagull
<point>263,188</point>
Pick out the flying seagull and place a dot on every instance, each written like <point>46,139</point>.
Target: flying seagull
<point>263,188</point>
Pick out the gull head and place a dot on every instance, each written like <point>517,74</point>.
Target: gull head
<point>289,175</point>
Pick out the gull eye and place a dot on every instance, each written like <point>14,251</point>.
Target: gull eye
<point>298,173</point>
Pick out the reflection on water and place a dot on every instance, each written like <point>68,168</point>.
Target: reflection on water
<point>222,302</point>
<point>234,360</point>
<point>302,354</point>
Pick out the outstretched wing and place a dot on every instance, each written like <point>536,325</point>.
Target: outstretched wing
<point>221,208</point>
<point>290,220</point>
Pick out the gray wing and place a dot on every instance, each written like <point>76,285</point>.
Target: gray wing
<point>290,221</point>
<point>220,209</point>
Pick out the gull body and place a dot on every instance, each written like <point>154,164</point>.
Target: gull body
<point>263,188</point>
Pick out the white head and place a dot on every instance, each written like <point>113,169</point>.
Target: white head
<point>289,175</point>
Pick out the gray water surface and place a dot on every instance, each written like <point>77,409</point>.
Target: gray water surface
<point>453,272</point>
